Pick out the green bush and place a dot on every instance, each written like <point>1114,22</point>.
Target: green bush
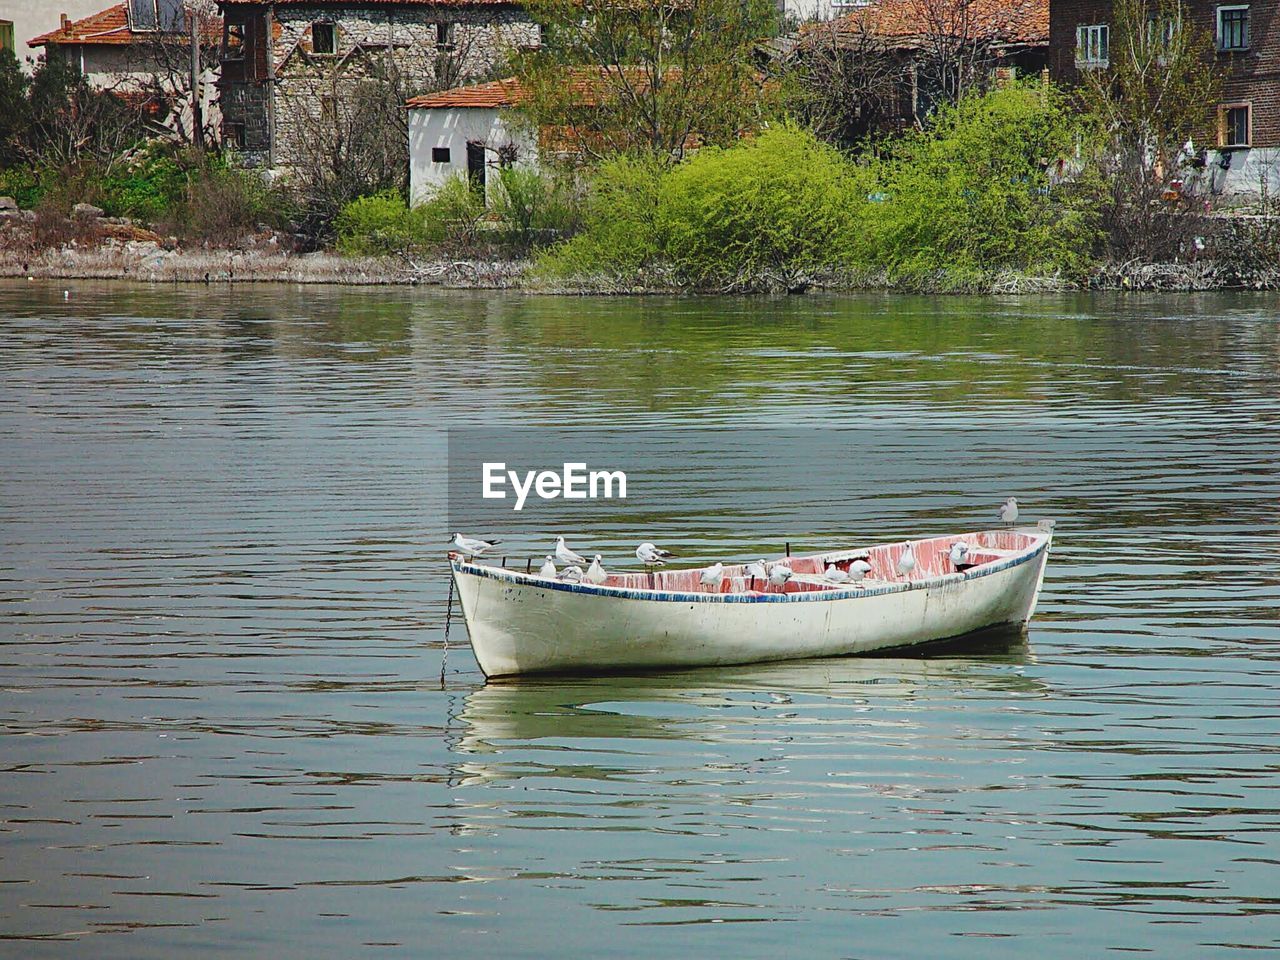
<point>147,186</point>
<point>622,230</point>
<point>380,225</point>
<point>768,212</point>
<point>221,203</point>
<point>533,208</point>
<point>971,194</point>
<point>452,216</point>
<point>23,183</point>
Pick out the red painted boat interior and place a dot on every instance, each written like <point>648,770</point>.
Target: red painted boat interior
<point>932,560</point>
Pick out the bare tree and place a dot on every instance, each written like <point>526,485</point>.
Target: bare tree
<point>957,50</point>
<point>169,71</point>
<point>842,79</point>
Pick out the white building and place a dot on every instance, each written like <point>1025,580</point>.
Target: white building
<point>469,131</point>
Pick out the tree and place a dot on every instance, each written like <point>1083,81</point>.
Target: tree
<point>841,80</point>
<point>957,54</point>
<point>1151,98</point>
<point>645,76</point>
<point>70,122</point>
<point>163,71</point>
<point>15,114</point>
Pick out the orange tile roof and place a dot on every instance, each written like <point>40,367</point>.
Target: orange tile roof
<point>106,26</point>
<point>494,94</point>
<point>585,83</point>
<point>1005,21</point>
<point>109,26</point>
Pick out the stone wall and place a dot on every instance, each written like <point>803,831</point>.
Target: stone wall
<point>389,44</point>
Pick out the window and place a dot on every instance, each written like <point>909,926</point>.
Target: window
<point>6,35</point>
<point>324,40</point>
<point>1233,28</point>
<point>147,16</point>
<point>328,110</point>
<point>1234,125</point>
<point>233,133</point>
<point>1162,31</point>
<point>1093,45</point>
<point>233,41</point>
<point>439,154</point>
<point>444,36</point>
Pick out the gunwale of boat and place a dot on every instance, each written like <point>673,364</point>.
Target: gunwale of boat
<point>808,585</point>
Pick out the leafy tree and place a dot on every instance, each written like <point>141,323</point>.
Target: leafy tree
<point>1152,97</point>
<point>645,76</point>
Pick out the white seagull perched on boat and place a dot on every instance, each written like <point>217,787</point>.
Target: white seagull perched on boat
<point>713,576</point>
<point>548,568</point>
<point>757,570</point>
<point>471,547</point>
<point>959,554</point>
<point>780,574</point>
<point>1009,511</point>
<point>835,574</point>
<point>651,555</point>
<point>571,574</point>
<point>858,570</point>
<point>595,573</point>
<point>565,555</point>
<point>907,562</point>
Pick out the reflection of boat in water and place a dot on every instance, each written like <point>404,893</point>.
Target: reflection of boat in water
<point>710,703</point>
<point>526,623</point>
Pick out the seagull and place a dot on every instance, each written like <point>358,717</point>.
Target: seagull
<point>471,547</point>
<point>1009,511</point>
<point>858,570</point>
<point>835,574</point>
<point>780,574</point>
<point>565,555</point>
<point>713,576</point>
<point>960,554</point>
<point>907,562</point>
<point>571,574</point>
<point>757,570</point>
<point>651,555</point>
<point>548,568</point>
<point>595,572</point>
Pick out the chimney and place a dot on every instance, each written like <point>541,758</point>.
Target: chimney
<point>66,22</point>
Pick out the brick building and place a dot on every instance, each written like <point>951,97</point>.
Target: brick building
<point>289,65</point>
<point>1243,152</point>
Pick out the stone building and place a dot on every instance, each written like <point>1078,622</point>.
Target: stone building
<point>294,69</point>
<point>1243,127</point>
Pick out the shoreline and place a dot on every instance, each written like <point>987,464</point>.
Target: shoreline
<point>147,262</point>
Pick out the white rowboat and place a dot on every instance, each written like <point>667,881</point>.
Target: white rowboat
<point>526,623</point>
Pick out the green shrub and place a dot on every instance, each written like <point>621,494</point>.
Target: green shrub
<point>971,193</point>
<point>23,183</point>
<point>147,186</point>
<point>380,225</point>
<point>222,204</point>
<point>452,216</point>
<point>533,208</point>
<point>768,212</point>
<point>622,231</point>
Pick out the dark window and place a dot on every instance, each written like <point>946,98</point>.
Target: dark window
<point>233,134</point>
<point>440,155</point>
<point>1233,28</point>
<point>444,36</point>
<point>324,40</point>
<point>1233,126</point>
<point>142,16</point>
<point>233,42</point>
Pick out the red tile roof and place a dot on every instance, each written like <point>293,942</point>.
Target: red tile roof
<point>106,26</point>
<point>109,26</point>
<point>1005,21</point>
<point>494,94</point>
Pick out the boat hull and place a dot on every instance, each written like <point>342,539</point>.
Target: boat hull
<point>518,624</point>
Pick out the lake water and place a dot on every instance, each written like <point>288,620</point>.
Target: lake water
<point>223,598</point>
